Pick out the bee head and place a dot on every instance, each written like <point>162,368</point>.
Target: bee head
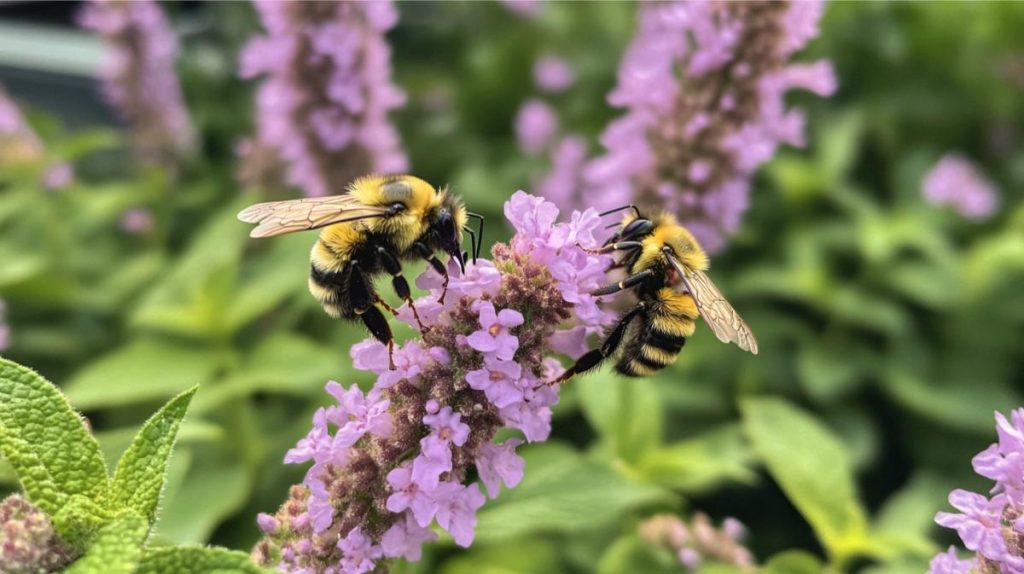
<point>446,224</point>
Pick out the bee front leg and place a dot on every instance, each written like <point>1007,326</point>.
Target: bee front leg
<point>617,246</point>
<point>399,282</point>
<point>425,252</point>
<point>627,283</point>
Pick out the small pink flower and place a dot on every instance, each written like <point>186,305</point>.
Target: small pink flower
<point>494,337</point>
<point>498,464</point>
<point>456,511</point>
<point>553,74</point>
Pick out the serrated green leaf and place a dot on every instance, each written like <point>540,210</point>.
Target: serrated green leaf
<point>562,492</point>
<point>145,370</point>
<point>139,478</point>
<point>46,441</point>
<point>813,469</point>
<point>196,560</point>
<point>79,519</point>
<point>116,549</point>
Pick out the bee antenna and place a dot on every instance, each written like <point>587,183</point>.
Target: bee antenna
<point>480,232</point>
<point>473,242</point>
<point>623,208</point>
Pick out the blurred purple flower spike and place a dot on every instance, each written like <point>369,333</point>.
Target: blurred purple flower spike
<point>322,107</point>
<point>138,76</point>
<point>703,86</point>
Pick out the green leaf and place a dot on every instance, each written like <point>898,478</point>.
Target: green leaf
<point>562,491</point>
<point>116,550</point>
<point>631,554</point>
<point>196,560</point>
<point>793,562</point>
<point>626,412</point>
<point>813,469</point>
<point>526,556</point>
<point>210,493</point>
<point>284,363</point>
<point>139,478</point>
<point>79,519</point>
<point>46,441</point>
<point>145,370</point>
<point>698,465</point>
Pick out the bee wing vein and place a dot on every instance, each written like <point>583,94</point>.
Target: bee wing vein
<point>280,217</point>
<point>718,314</point>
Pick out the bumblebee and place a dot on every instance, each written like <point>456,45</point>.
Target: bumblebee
<point>665,268</point>
<point>379,222</point>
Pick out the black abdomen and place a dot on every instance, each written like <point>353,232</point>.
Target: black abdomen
<point>651,347</point>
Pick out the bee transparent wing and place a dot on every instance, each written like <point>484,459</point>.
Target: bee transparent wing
<point>716,311</point>
<point>280,217</point>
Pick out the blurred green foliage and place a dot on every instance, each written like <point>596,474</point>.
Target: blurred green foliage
<point>889,328</point>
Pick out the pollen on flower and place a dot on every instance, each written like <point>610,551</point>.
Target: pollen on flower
<point>388,463</point>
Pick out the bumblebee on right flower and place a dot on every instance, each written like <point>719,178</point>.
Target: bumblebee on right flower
<point>665,268</point>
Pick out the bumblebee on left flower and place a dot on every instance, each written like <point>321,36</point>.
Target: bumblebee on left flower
<point>366,232</point>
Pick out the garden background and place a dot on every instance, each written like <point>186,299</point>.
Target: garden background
<point>891,322</point>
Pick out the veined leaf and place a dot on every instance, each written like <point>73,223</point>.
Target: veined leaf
<point>116,549</point>
<point>813,469</point>
<point>139,478</point>
<point>46,441</point>
<point>196,560</point>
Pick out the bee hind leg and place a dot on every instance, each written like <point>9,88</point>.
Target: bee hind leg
<point>379,328</point>
<point>364,304</point>
<point>595,357</point>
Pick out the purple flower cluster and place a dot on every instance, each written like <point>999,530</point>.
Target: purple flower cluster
<point>703,86</point>
<point>322,109</point>
<point>956,181</point>
<point>28,542</point>
<point>19,145</point>
<point>699,541</point>
<point>138,76</point>
<point>389,462</point>
<point>993,527</point>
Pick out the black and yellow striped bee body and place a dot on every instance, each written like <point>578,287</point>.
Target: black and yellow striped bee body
<point>665,269</point>
<point>369,231</point>
<point>664,320</point>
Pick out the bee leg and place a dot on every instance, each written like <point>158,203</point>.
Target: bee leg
<point>399,283</point>
<point>627,283</point>
<point>594,357</point>
<point>616,246</point>
<point>364,304</point>
<point>425,252</point>
<point>379,328</point>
